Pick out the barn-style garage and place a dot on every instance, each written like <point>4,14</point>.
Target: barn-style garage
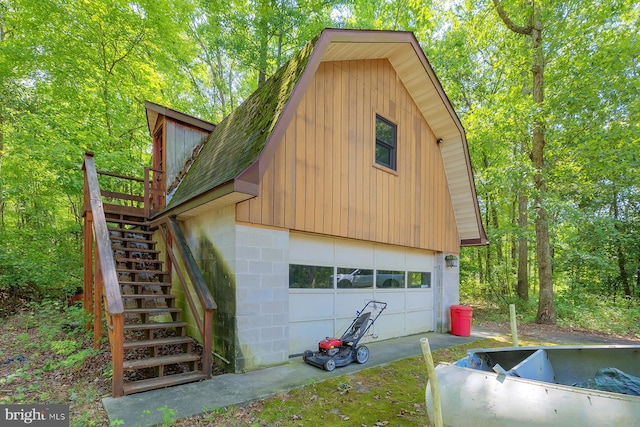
<point>345,177</point>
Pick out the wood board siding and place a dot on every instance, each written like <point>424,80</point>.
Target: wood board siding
<point>323,178</point>
<point>181,141</point>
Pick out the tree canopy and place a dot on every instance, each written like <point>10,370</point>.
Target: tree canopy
<point>74,76</point>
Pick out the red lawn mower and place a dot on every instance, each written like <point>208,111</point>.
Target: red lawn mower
<point>342,351</point>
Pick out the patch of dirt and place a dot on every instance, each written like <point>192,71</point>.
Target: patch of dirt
<point>559,335</point>
<point>31,372</point>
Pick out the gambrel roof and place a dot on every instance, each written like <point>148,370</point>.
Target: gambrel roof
<point>234,158</point>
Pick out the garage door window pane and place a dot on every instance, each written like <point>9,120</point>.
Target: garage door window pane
<point>389,279</point>
<point>310,277</point>
<point>419,279</point>
<point>354,278</point>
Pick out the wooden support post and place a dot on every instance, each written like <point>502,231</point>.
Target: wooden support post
<point>433,381</point>
<point>147,193</point>
<point>207,350</point>
<point>117,354</point>
<point>97,303</point>
<point>514,324</point>
<point>88,266</point>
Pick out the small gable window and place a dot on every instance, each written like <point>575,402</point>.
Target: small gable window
<point>385,143</point>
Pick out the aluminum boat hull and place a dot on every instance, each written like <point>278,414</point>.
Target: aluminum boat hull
<point>535,387</point>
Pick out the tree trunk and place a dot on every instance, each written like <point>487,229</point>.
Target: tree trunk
<point>263,41</point>
<point>493,211</point>
<point>488,270</point>
<point>1,153</point>
<point>637,280</point>
<point>546,308</point>
<point>622,262</point>
<point>220,81</point>
<point>523,247</point>
<point>2,37</point>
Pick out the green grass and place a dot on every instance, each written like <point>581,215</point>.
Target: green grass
<point>388,395</point>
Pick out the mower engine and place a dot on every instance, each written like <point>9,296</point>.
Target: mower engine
<point>329,346</point>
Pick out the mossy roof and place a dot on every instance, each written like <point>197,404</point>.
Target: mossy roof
<point>239,150</point>
<point>237,142</point>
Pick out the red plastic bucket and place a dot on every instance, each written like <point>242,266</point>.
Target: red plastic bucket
<point>461,320</point>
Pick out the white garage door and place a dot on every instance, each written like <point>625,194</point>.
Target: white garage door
<point>330,279</point>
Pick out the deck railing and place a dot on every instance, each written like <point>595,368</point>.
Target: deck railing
<point>106,286</point>
<point>126,196</point>
<point>178,250</point>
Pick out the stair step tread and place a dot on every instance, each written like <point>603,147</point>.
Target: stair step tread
<point>120,222</point>
<point>148,296</point>
<point>157,342</point>
<point>145,260</point>
<point>160,361</point>
<point>133,270</point>
<point>131,239</point>
<point>123,211</point>
<point>158,325</point>
<point>161,284</point>
<point>123,248</point>
<point>129,230</point>
<point>162,382</point>
<point>152,311</point>
<point>132,220</point>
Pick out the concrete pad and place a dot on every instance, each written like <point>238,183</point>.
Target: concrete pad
<point>143,409</point>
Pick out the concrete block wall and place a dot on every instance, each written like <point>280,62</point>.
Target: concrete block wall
<point>248,269</point>
<point>211,238</point>
<point>262,290</point>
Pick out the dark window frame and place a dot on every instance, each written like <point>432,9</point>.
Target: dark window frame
<point>389,146</point>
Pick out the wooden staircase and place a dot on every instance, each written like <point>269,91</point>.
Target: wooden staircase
<point>132,286</point>
<point>157,352</point>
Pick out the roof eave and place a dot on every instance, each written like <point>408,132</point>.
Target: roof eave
<point>233,190</point>
<point>474,242</point>
<point>154,110</point>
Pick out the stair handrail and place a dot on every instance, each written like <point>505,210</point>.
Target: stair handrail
<point>171,232</point>
<point>105,275</point>
<point>154,195</point>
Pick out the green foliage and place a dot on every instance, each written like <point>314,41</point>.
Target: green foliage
<point>74,76</point>
<point>55,329</point>
<point>64,347</point>
<point>601,313</point>
<point>581,311</point>
<point>168,415</point>
<point>73,361</point>
<point>591,142</point>
<point>47,348</point>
